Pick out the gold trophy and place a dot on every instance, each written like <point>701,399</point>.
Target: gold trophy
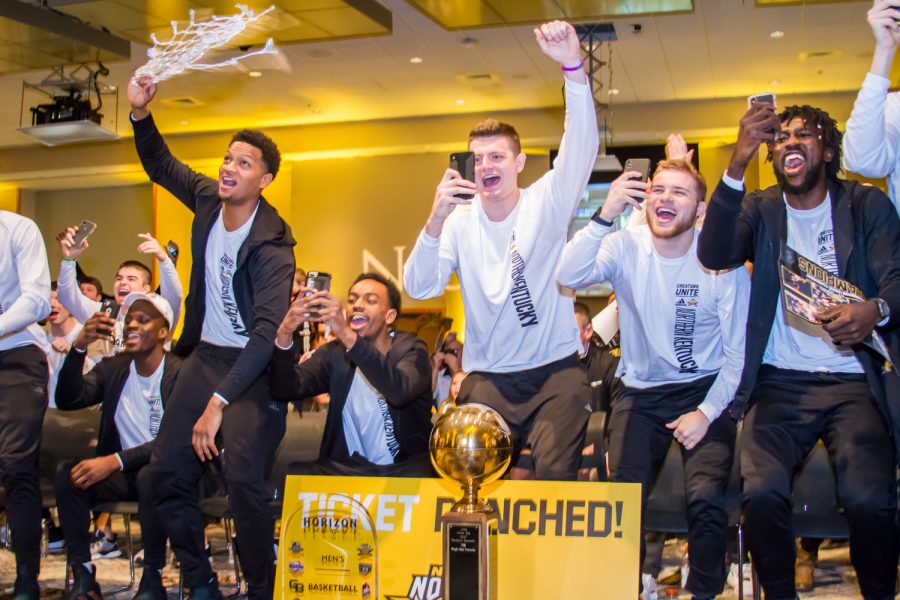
<point>470,444</point>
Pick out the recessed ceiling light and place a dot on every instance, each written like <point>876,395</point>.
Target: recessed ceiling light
<point>777,34</point>
<point>614,92</point>
<point>255,73</point>
<point>460,101</point>
<point>468,42</point>
<point>184,122</point>
<point>416,60</point>
<point>774,82</point>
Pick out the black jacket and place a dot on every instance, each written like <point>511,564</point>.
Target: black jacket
<point>403,377</point>
<point>601,367</point>
<point>104,384</point>
<point>738,228</point>
<point>265,263</point>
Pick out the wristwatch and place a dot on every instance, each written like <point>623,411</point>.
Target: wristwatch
<point>884,309</point>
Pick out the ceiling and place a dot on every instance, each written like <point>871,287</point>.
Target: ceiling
<point>720,49</point>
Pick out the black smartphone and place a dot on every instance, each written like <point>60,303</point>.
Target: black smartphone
<point>111,308</point>
<point>765,98</point>
<point>84,230</point>
<point>641,165</point>
<point>318,280</point>
<point>172,250</point>
<point>464,164</point>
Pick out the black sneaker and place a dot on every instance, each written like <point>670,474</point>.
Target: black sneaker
<point>209,591</point>
<point>85,586</point>
<point>151,587</point>
<point>26,587</point>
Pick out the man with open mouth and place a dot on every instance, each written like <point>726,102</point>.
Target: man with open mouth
<point>240,286</point>
<point>504,244</point>
<point>803,382</point>
<point>379,380</point>
<point>682,342</point>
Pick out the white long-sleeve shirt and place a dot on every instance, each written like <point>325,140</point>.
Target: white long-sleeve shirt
<point>872,139</point>
<point>24,283</point>
<point>679,321</point>
<point>516,316</point>
<point>83,308</point>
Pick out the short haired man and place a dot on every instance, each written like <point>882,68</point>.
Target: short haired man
<point>379,380</point>
<point>133,388</point>
<point>504,245</point>
<point>682,349</point>
<point>131,276</point>
<point>24,300</point>
<point>91,287</point>
<point>805,382</point>
<point>62,331</point>
<point>240,286</point>
<point>598,361</point>
<point>872,141</point>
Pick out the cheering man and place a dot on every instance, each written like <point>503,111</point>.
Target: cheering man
<point>682,341</point>
<point>803,382</point>
<point>504,245</point>
<point>379,380</point>
<point>240,288</point>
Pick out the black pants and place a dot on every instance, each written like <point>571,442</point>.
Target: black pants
<point>789,412</point>
<point>23,401</point>
<point>252,427</point>
<point>638,443</point>
<point>547,408</point>
<point>74,506</point>
<point>358,466</point>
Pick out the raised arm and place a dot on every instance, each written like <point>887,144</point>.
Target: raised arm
<point>67,291</point>
<point>33,273</point>
<point>873,129</point>
<point>163,168</point>
<point>580,141</point>
<point>586,259</point>
<point>430,265</point>
<point>74,388</point>
<point>169,284</point>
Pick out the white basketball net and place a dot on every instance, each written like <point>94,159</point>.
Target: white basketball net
<point>188,46</point>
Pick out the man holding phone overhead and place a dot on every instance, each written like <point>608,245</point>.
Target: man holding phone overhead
<point>504,244</point>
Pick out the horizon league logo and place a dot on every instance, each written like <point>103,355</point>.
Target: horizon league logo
<point>424,587</point>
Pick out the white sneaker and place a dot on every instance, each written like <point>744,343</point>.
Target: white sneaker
<point>732,579</point>
<point>649,583</point>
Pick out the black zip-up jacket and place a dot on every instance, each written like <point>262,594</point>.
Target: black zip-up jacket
<point>103,385</point>
<point>264,269</point>
<point>738,228</point>
<point>403,377</point>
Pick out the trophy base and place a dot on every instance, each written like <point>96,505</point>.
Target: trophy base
<point>470,555</point>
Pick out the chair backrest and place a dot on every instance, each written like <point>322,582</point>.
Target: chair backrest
<point>302,438</point>
<point>816,508</point>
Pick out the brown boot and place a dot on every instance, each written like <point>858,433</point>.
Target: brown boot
<point>806,566</point>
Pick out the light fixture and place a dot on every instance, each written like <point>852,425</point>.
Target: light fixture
<point>469,42</point>
<point>255,74</point>
<point>606,162</point>
<point>416,60</point>
<point>183,122</point>
<point>614,92</point>
<point>777,34</point>
<point>460,101</point>
<point>774,82</point>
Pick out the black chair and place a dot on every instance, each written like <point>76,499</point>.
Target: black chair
<point>128,510</point>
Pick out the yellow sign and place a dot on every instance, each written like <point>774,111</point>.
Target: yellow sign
<point>557,539</point>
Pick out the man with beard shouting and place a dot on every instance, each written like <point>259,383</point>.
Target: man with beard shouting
<point>804,382</point>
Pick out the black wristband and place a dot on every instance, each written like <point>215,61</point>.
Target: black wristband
<point>600,220</point>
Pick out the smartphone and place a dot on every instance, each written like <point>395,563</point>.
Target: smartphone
<point>111,308</point>
<point>766,98</point>
<point>84,230</point>
<point>641,165</point>
<point>464,164</point>
<point>318,280</point>
<point>172,250</point>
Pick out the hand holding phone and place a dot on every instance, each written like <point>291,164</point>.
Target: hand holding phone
<point>111,308</point>
<point>464,164</point>
<point>764,98</point>
<point>319,281</point>
<point>84,230</point>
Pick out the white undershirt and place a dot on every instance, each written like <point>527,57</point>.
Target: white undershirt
<point>140,408</point>
<point>679,321</point>
<point>368,427</point>
<point>793,342</point>
<point>222,324</point>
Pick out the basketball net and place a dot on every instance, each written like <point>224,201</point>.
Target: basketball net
<point>188,46</point>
